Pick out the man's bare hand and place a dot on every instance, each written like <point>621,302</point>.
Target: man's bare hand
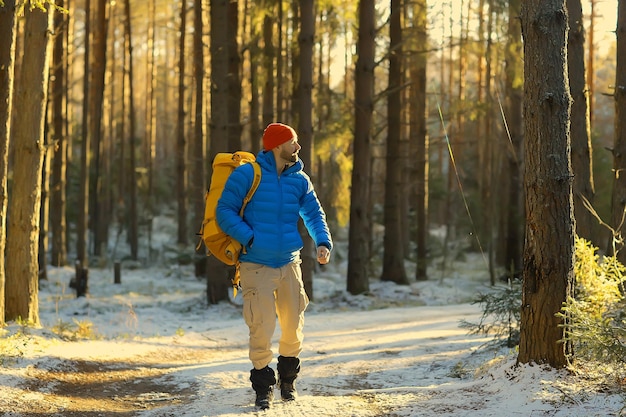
<point>323,255</point>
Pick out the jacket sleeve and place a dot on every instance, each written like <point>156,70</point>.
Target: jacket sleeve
<point>229,204</point>
<point>314,217</point>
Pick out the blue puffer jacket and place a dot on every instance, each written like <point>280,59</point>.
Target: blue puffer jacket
<point>271,217</point>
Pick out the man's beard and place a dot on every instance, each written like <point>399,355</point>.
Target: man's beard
<point>288,156</point>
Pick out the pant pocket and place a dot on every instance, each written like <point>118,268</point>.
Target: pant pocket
<point>251,308</point>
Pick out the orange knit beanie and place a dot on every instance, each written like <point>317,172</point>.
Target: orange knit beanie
<point>276,134</point>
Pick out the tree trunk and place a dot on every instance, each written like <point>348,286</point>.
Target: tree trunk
<point>133,220</point>
<point>580,129</point>
<point>306,40</point>
<point>619,144</point>
<point>512,230</point>
<point>22,293</point>
<point>488,168</point>
<point>96,97</point>
<point>198,144</point>
<point>217,272</point>
<point>8,28</point>
<point>234,78</point>
<point>58,225</point>
<point>114,78</point>
<point>480,72</point>
<point>181,166</point>
<point>592,60</point>
<point>549,251</point>
<point>44,209</point>
<point>419,135</point>
<point>393,256</point>
<point>256,131</point>
<point>69,122</point>
<point>151,128</point>
<point>82,226</point>
<point>441,214</point>
<point>462,71</point>
<point>456,146</point>
<point>268,67</point>
<point>360,229</point>
<point>122,186</point>
<point>280,47</point>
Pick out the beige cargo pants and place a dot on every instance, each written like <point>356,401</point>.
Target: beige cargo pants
<point>270,293</point>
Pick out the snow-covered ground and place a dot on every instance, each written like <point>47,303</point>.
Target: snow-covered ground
<point>151,346</point>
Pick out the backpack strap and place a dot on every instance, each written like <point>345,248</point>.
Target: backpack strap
<point>256,180</point>
<point>235,280</point>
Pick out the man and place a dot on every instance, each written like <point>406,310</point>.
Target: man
<point>271,278</point>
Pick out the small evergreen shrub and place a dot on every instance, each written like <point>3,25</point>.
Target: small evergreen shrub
<point>595,318</point>
<point>501,315</point>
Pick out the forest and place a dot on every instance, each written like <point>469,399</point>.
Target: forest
<point>498,122</point>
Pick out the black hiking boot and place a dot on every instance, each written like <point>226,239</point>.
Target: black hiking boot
<point>263,381</point>
<point>288,368</point>
<point>264,399</point>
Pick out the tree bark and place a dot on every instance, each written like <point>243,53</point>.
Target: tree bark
<point>306,40</point>
<point>256,131</point>
<point>82,226</point>
<point>393,256</point>
<point>549,252</point>
<point>217,272</point>
<point>513,225</point>
<point>268,66</point>
<point>419,142</point>
<point>234,78</point>
<point>96,97</point>
<point>44,210</point>
<point>181,165</point>
<point>280,72</point>
<point>591,62</point>
<point>619,141</point>
<point>58,203</point>
<point>151,116</point>
<point>8,28</point>
<point>22,293</point>
<point>133,214</point>
<point>360,215</point>
<point>488,165</point>
<point>580,128</point>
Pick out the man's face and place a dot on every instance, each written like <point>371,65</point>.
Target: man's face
<point>289,150</point>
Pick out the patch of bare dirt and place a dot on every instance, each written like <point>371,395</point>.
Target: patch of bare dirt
<point>97,388</point>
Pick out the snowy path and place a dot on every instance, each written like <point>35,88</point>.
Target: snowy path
<point>410,361</point>
<point>355,363</point>
<point>156,350</point>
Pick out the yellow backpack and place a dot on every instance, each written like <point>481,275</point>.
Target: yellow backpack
<point>217,242</point>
